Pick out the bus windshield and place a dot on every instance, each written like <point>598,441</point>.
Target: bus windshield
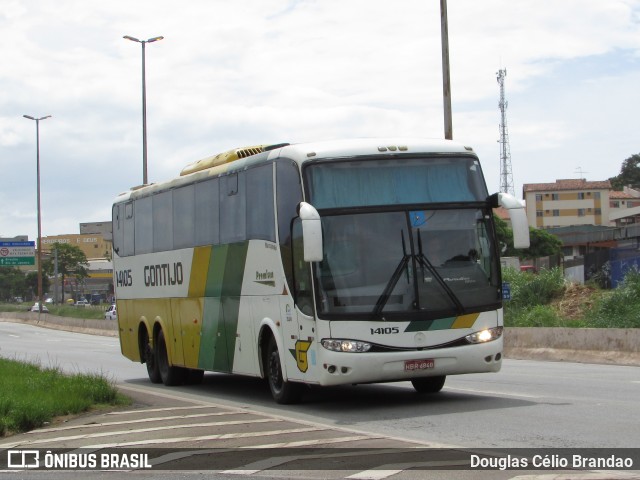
<point>395,181</point>
<point>431,263</point>
<point>403,236</point>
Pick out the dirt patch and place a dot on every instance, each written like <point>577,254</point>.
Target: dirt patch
<point>576,300</point>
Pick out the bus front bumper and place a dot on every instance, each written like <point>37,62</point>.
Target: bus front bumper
<point>338,368</point>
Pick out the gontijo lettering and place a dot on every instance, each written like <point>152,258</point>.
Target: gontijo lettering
<point>163,274</point>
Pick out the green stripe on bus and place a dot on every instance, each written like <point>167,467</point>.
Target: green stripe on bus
<point>221,306</point>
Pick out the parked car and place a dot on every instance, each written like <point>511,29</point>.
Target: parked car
<point>36,308</point>
<point>81,303</point>
<point>111,313</point>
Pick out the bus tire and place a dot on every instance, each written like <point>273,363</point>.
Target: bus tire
<point>150,359</point>
<point>194,376</point>
<point>429,384</point>
<point>170,375</point>
<point>283,392</point>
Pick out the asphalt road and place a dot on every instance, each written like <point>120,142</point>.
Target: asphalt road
<point>528,404</point>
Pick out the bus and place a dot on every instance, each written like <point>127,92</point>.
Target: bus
<point>317,264</point>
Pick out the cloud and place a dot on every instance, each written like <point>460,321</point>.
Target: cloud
<point>258,71</point>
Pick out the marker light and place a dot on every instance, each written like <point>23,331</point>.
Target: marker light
<point>350,346</point>
<point>484,335</point>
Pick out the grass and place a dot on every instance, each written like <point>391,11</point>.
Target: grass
<point>545,299</point>
<point>32,396</point>
<point>89,312</point>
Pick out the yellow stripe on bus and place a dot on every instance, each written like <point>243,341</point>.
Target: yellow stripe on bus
<point>199,271</point>
<point>465,321</point>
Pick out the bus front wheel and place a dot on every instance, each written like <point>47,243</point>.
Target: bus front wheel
<point>429,384</point>
<point>283,392</point>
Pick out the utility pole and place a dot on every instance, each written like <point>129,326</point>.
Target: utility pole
<point>446,80</point>
<point>506,177</point>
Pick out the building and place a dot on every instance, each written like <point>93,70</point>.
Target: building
<point>567,203</point>
<point>624,207</point>
<point>92,245</point>
<point>98,228</point>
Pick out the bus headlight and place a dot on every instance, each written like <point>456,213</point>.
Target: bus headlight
<point>350,346</point>
<point>484,335</point>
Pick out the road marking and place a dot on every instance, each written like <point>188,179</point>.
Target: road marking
<point>146,430</point>
<point>491,392</point>
<point>166,409</point>
<point>139,420</point>
<point>221,436</point>
<point>385,471</point>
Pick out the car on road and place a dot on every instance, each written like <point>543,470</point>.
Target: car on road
<point>36,308</point>
<point>81,303</point>
<point>111,313</point>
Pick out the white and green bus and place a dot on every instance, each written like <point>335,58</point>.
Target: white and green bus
<point>326,263</point>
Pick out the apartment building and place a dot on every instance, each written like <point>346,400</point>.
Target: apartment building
<point>567,202</point>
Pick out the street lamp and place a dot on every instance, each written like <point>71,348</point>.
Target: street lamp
<point>37,120</point>
<point>144,105</point>
<point>446,81</point>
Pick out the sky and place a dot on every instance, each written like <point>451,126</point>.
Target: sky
<point>235,73</point>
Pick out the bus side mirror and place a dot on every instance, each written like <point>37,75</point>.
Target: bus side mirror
<point>311,232</point>
<point>518,216</point>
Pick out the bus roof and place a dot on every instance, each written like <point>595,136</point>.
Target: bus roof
<point>240,158</point>
<point>368,146</point>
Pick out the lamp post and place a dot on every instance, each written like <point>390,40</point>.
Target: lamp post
<point>446,81</point>
<point>37,120</point>
<point>144,103</point>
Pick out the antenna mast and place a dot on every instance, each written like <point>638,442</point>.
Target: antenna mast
<point>506,177</point>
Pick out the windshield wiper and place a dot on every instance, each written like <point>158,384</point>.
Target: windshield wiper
<point>393,281</point>
<point>425,263</point>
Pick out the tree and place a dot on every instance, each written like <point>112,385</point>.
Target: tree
<point>12,283</point>
<point>72,262</point>
<point>31,282</point>
<point>629,174</point>
<point>542,243</point>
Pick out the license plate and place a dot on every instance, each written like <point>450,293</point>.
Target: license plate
<point>411,365</point>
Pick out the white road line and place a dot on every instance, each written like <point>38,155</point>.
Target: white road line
<point>316,442</point>
<point>490,392</point>
<point>145,430</point>
<point>139,420</point>
<point>222,436</point>
<point>272,462</point>
<point>166,409</point>
<point>385,471</point>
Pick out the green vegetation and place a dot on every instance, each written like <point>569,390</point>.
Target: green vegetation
<point>32,396</point>
<point>545,299</point>
<point>89,312</point>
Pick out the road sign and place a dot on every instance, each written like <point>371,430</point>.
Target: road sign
<point>506,291</point>
<point>17,253</point>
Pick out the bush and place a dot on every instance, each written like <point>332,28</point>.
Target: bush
<point>619,308</point>
<point>531,289</point>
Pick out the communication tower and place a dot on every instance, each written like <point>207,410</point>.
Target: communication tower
<point>506,177</point>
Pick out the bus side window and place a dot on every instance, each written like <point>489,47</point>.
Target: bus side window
<point>303,292</point>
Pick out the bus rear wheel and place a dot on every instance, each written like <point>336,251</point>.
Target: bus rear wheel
<point>429,384</point>
<point>283,392</point>
<point>150,360</point>
<point>170,375</point>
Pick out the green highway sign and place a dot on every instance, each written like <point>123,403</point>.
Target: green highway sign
<point>17,253</point>
<point>17,261</point>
